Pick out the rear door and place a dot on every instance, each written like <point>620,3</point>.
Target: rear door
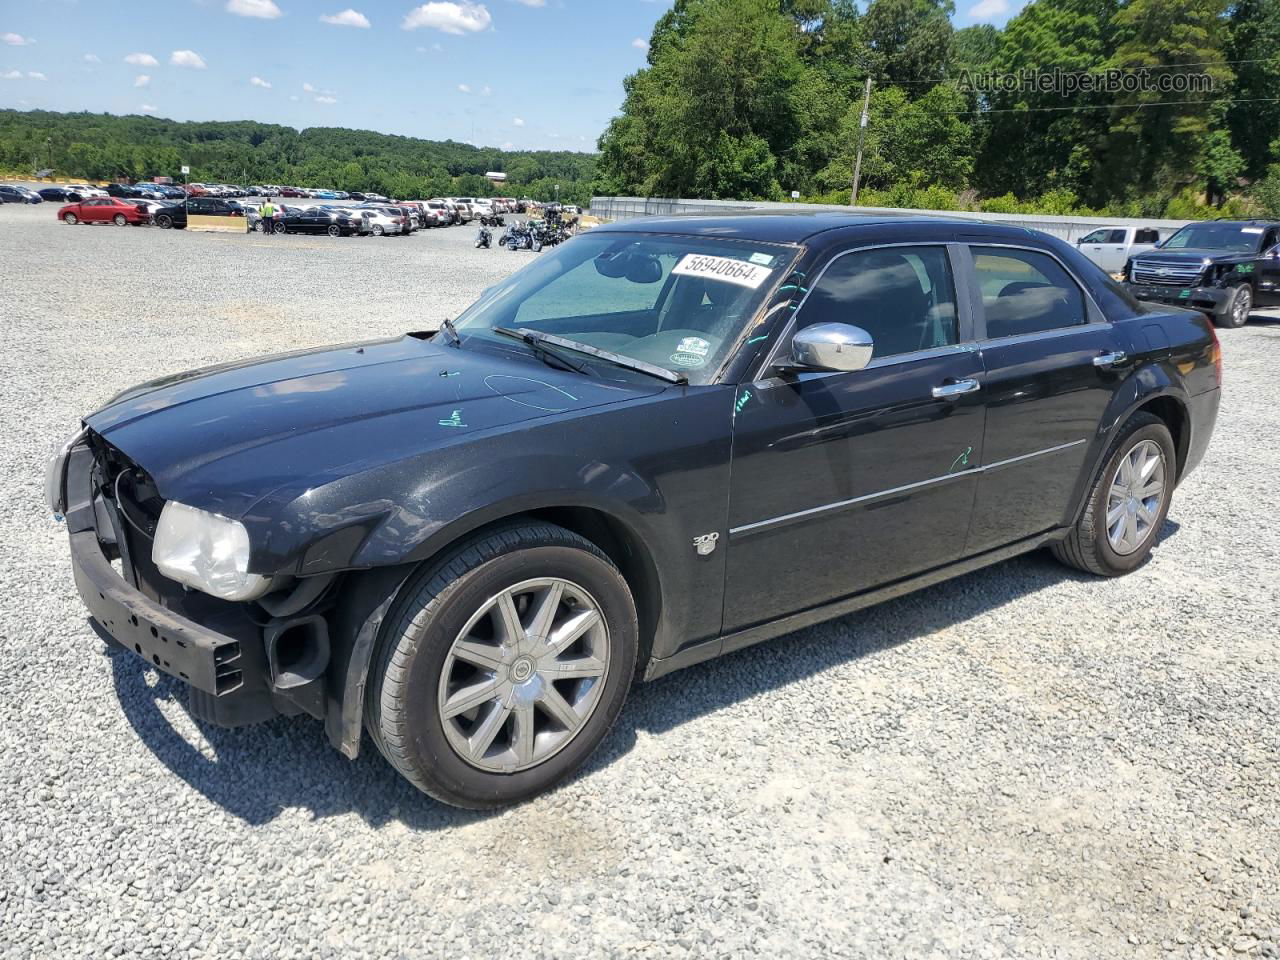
<point>1052,363</point>
<point>1267,285</point>
<point>96,210</point>
<point>843,481</point>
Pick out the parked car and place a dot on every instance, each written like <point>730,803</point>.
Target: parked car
<point>385,221</point>
<point>122,191</point>
<point>105,210</point>
<point>291,192</point>
<point>10,193</point>
<point>149,207</point>
<point>86,190</point>
<point>148,191</point>
<point>336,223</point>
<point>1222,267</point>
<point>175,215</point>
<point>466,544</point>
<point>60,194</point>
<point>194,189</point>
<point>1111,247</point>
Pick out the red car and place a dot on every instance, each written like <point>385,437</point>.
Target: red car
<point>105,210</point>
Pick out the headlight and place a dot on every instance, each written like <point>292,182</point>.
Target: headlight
<point>207,552</point>
<point>55,477</point>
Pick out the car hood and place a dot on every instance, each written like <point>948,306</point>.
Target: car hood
<point>1186,256</point>
<point>222,438</point>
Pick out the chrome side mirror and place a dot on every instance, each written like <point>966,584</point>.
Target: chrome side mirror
<point>832,346</point>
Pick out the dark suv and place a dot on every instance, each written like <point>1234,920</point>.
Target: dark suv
<point>1222,267</point>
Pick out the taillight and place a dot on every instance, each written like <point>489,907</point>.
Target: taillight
<point>1215,354</point>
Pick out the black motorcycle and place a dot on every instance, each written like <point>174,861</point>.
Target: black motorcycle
<point>484,239</point>
<point>494,221</point>
<point>521,236</point>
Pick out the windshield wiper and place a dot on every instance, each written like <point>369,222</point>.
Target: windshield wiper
<point>448,327</point>
<point>542,351</point>
<point>542,339</point>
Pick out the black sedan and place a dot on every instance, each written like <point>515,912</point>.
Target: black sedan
<point>336,223</point>
<point>60,195</point>
<point>175,215</point>
<point>661,441</point>
<point>15,194</point>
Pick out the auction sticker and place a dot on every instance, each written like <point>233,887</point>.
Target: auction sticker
<point>737,272</point>
<point>694,345</point>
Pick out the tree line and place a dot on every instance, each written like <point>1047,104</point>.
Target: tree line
<point>757,98</point>
<point>106,147</point>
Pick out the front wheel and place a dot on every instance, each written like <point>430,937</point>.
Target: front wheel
<point>72,219</point>
<point>120,220</point>
<point>503,666</point>
<point>1127,504</point>
<point>1237,313</point>
<point>377,230</point>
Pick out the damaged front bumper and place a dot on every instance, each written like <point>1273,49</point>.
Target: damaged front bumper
<point>1214,300</point>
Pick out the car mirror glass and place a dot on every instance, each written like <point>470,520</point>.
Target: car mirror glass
<point>643,269</point>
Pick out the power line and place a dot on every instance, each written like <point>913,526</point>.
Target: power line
<point>1110,106</point>
<point>1076,73</point>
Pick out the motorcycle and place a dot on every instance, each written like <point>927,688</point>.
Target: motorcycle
<point>520,237</point>
<point>494,221</point>
<point>483,239</point>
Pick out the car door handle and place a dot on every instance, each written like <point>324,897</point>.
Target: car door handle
<point>957,388</point>
<point>1109,359</point>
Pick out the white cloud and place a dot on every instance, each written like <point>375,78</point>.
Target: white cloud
<point>463,88</point>
<point>141,60</point>
<point>308,88</point>
<point>533,3</point>
<point>262,9</point>
<point>148,108</point>
<point>259,82</point>
<point>187,58</point>
<point>456,18</point>
<point>326,99</point>
<point>92,58</point>
<point>11,75</point>
<point>486,90</point>
<point>518,122</point>
<point>36,75</point>
<point>16,39</point>
<point>347,18</point>
<point>989,9</point>
<point>141,80</point>
<point>640,43</point>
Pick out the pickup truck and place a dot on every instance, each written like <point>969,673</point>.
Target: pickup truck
<point>659,442</point>
<point>1111,247</point>
<point>1221,267</point>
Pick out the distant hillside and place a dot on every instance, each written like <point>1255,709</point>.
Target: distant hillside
<point>102,146</point>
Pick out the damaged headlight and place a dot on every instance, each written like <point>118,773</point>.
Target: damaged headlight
<point>55,476</point>
<point>207,552</point>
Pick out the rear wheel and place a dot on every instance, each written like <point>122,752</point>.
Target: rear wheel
<point>502,667</point>
<point>377,230</point>
<point>164,221</point>
<point>1127,504</point>
<point>334,230</point>
<point>71,218</point>
<point>1237,313</point>
<point>120,220</point>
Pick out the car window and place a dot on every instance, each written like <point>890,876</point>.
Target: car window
<point>1272,238</point>
<point>903,296</point>
<point>1025,292</point>
<point>1146,236</point>
<point>1098,236</point>
<point>1115,236</point>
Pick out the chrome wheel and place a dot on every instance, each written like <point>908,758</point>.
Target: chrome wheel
<point>524,675</point>
<point>1135,497</point>
<point>1241,305</point>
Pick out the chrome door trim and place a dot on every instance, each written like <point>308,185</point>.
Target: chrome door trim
<point>853,501</point>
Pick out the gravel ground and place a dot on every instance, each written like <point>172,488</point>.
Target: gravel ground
<point>1020,763</point>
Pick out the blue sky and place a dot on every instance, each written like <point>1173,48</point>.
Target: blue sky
<point>525,74</point>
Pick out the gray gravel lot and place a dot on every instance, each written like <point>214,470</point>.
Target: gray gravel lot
<point>1020,763</point>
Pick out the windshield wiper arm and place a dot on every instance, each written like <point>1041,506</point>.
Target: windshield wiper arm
<point>448,327</point>
<point>618,359</point>
<point>541,350</point>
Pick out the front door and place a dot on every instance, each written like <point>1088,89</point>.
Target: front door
<point>1053,364</point>
<point>1267,285</point>
<point>845,481</point>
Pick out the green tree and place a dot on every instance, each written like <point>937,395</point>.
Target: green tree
<point>1253,36</point>
<point>910,39</point>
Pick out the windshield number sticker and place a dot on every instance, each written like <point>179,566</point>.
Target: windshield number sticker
<point>694,345</point>
<point>737,272</point>
<point>1250,229</point>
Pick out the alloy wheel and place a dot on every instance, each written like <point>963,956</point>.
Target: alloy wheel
<point>524,675</point>
<point>1241,306</point>
<point>1135,497</point>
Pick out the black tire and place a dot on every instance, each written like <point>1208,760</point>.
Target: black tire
<point>71,218</point>
<point>402,714</point>
<point>1237,312</point>
<point>164,221</point>
<point>334,230</point>
<point>1087,547</point>
<point>280,229</point>
<point>120,220</point>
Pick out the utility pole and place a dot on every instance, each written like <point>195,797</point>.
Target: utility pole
<point>862,137</point>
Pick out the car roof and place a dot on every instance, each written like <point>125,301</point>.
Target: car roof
<point>784,226</point>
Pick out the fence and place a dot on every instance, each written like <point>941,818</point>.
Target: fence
<point>1066,228</point>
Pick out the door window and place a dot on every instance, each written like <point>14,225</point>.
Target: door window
<point>1098,236</point>
<point>903,296</point>
<point>1025,292</point>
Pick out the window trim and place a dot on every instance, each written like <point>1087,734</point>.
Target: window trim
<point>1094,317</point>
<point>965,326</point>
